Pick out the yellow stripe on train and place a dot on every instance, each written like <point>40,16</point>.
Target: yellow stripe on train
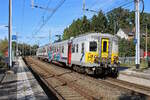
<point>114,57</point>
<point>90,57</point>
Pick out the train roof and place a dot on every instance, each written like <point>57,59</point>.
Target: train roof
<point>95,33</point>
<point>84,35</point>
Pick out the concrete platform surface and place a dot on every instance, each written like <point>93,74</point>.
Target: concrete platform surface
<point>133,76</point>
<point>20,85</point>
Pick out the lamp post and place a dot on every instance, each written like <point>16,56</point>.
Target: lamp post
<point>9,34</point>
<point>137,24</point>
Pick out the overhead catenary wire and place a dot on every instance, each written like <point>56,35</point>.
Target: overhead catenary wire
<point>96,2</point>
<point>41,20</point>
<point>123,5</point>
<point>108,11</point>
<point>48,18</point>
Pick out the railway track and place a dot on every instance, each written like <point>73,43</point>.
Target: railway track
<point>67,84</point>
<point>64,88</point>
<point>131,86</point>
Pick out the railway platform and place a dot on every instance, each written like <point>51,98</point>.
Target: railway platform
<point>20,84</point>
<point>135,76</point>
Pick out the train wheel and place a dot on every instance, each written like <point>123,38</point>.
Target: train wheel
<point>74,67</point>
<point>115,74</point>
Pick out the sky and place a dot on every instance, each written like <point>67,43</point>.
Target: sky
<point>27,20</point>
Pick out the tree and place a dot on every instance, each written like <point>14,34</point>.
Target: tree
<point>118,17</point>
<point>99,23</point>
<point>85,27</point>
<point>110,23</point>
<point>126,48</point>
<point>3,46</point>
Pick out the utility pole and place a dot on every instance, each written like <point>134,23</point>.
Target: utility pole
<point>83,7</point>
<point>32,3</point>
<point>9,34</point>
<point>137,24</point>
<point>146,43</point>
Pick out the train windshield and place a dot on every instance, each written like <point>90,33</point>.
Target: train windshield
<point>93,46</point>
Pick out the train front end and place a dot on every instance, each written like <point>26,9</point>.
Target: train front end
<point>107,56</point>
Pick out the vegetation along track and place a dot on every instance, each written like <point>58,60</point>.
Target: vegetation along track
<point>68,84</point>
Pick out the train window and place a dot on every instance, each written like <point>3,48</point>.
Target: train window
<point>62,49</point>
<point>73,48</point>
<point>77,48</point>
<point>105,46</point>
<point>82,49</point>
<point>93,46</point>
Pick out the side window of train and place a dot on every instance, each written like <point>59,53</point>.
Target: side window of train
<point>82,48</point>
<point>104,46</point>
<point>73,48</point>
<point>93,46</point>
<point>77,48</point>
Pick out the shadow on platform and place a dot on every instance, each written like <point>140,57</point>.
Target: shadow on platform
<point>8,90</point>
<point>121,68</point>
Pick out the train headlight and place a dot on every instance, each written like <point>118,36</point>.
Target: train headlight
<point>93,68</point>
<point>112,68</point>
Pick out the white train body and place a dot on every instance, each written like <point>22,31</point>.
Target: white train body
<point>91,53</point>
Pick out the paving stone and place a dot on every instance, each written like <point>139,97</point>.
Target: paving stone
<point>20,84</point>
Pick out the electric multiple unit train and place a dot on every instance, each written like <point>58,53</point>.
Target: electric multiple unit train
<point>91,53</point>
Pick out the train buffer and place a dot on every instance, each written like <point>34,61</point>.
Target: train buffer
<point>20,84</point>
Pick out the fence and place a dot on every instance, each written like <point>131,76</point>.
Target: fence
<point>127,60</point>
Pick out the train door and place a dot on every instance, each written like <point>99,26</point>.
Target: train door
<point>69,53</point>
<point>104,48</point>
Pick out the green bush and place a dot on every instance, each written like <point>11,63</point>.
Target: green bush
<point>2,62</point>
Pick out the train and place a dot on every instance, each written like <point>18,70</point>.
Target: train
<point>90,53</point>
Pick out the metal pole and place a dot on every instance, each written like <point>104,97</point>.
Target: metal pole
<point>137,24</point>
<point>9,34</point>
<point>32,3</point>
<point>83,7</point>
<point>146,42</point>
